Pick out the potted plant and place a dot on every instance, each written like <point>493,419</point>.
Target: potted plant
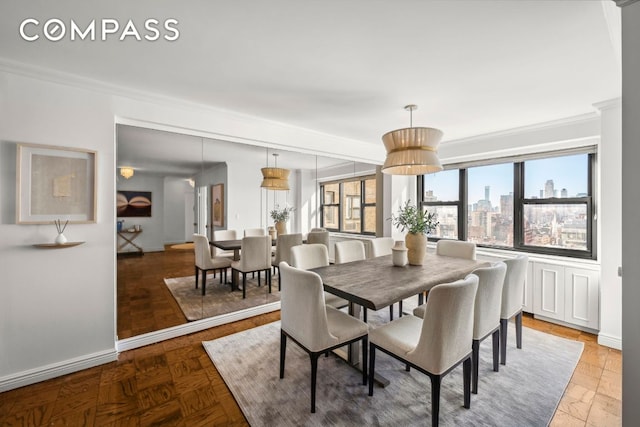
<point>280,218</point>
<point>418,223</point>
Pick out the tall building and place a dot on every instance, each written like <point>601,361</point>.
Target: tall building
<point>506,205</point>
<point>548,189</point>
<point>564,193</point>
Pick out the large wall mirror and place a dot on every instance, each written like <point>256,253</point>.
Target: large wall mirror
<point>184,184</point>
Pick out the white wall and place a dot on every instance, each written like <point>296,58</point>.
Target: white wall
<point>174,210</point>
<point>610,224</point>
<point>630,209</point>
<point>57,308</point>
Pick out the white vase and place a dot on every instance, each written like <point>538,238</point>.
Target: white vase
<point>399,254</point>
<point>60,239</point>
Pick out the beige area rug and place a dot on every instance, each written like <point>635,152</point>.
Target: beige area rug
<point>525,392</point>
<point>183,246</point>
<point>219,298</point>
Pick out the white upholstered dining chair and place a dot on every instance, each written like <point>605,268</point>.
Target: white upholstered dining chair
<point>316,327</point>
<point>512,293</point>
<point>381,246</point>
<point>486,314</point>
<point>205,262</point>
<point>250,232</point>
<point>311,256</point>
<point>224,235</point>
<point>283,250</point>
<point>318,237</point>
<point>436,344</point>
<point>256,257</point>
<point>348,251</point>
<point>456,248</point>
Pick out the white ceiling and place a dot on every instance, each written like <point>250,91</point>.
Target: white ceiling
<point>347,68</point>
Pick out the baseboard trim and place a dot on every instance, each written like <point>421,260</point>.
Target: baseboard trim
<point>610,341</point>
<point>54,370</point>
<point>195,326</point>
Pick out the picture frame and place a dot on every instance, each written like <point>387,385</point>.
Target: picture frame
<point>55,183</point>
<point>217,205</point>
<point>133,203</point>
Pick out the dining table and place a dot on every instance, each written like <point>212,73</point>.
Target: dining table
<point>375,283</point>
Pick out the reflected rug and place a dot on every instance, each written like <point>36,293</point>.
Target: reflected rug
<point>525,392</point>
<point>219,299</point>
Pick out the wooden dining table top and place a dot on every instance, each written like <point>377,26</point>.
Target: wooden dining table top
<point>376,283</point>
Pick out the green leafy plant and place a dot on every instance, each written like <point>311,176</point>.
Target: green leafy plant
<point>278,214</point>
<point>414,219</point>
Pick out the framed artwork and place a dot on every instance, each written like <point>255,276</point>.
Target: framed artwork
<point>133,203</point>
<point>217,205</point>
<point>55,183</point>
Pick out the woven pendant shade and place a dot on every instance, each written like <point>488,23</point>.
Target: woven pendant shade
<point>412,151</point>
<point>275,178</point>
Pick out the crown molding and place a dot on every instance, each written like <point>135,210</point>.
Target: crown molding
<point>623,3</point>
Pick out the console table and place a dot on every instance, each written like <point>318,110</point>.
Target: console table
<point>129,237</point>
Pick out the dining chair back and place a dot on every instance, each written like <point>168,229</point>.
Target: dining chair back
<point>205,262</point>
<point>314,326</point>
<point>315,255</point>
<point>256,257</point>
<point>250,232</point>
<point>512,293</point>
<point>283,250</point>
<point>224,235</point>
<point>309,256</point>
<point>436,344</point>
<point>381,246</point>
<point>314,229</point>
<point>456,248</point>
<point>348,251</point>
<point>318,237</point>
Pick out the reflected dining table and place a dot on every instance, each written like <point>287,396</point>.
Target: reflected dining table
<point>376,283</point>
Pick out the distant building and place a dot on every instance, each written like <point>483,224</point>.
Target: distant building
<point>564,193</point>
<point>548,189</point>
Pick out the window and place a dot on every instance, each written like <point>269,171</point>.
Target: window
<point>349,205</point>
<point>541,205</point>
<point>441,195</point>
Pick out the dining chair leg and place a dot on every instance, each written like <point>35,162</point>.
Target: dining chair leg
<point>254,275</point>
<point>495,341</point>
<point>244,285</point>
<point>435,399</point>
<point>504,324</point>
<point>314,375</point>
<point>197,274</point>
<point>519,330</point>
<point>283,351</point>
<point>400,308</point>
<point>372,367</point>
<point>204,281</point>
<point>220,275</point>
<point>466,372</point>
<point>475,354</point>
<point>365,347</point>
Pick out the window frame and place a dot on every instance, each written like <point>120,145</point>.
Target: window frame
<point>361,179</point>
<point>519,203</point>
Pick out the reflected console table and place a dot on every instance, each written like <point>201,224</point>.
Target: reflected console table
<point>127,240</point>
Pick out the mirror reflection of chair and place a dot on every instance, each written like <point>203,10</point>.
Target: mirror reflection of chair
<point>224,235</point>
<point>314,326</point>
<point>512,293</point>
<point>205,262</point>
<point>256,257</point>
<point>315,255</point>
<point>436,344</point>
<point>283,250</point>
<point>318,237</point>
<point>250,232</point>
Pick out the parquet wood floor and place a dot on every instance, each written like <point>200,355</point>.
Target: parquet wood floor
<point>175,383</point>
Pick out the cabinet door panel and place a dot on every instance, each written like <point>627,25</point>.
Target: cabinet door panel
<point>549,291</point>
<point>581,297</point>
